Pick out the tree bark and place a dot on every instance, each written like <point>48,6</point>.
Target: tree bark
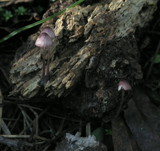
<point>96,49</point>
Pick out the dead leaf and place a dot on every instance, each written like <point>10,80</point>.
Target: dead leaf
<point>147,139</point>
<point>122,138</point>
<point>148,110</point>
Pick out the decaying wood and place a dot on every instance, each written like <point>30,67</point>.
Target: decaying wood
<point>96,48</point>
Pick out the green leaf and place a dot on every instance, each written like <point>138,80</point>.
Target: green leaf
<point>7,15</point>
<point>20,10</point>
<point>39,22</point>
<point>99,134</point>
<point>156,59</point>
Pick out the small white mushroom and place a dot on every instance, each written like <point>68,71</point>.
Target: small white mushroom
<point>43,41</point>
<point>124,85</point>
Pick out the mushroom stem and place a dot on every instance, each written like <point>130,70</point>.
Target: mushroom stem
<point>44,41</point>
<point>48,62</point>
<point>121,102</point>
<point>43,67</point>
<point>88,129</point>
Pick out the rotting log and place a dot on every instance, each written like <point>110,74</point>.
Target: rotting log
<point>96,48</point>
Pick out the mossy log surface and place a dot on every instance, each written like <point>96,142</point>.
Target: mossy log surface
<point>96,48</point>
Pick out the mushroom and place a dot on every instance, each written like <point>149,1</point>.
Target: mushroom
<point>123,86</point>
<point>44,42</point>
<point>49,31</point>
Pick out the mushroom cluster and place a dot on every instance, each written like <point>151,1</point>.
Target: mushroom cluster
<point>44,42</point>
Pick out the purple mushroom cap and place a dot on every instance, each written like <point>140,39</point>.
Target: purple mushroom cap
<point>124,85</point>
<point>49,31</point>
<point>43,40</point>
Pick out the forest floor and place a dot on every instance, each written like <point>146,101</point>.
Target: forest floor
<point>34,125</point>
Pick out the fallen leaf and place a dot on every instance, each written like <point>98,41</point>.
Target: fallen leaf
<point>146,138</point>
<point>122,138</point>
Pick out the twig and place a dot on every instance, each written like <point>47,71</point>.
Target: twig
<point>5,128</point>
<point>60,127</point>
<point>14,143</point>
